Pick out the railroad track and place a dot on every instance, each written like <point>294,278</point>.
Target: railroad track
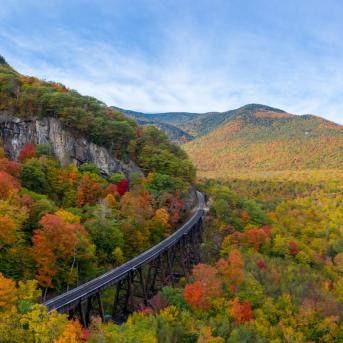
<point>180,247</point>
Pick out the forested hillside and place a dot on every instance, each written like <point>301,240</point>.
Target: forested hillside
<point>63,225</point>
<point>206,122</point>
<point>271,269</point>
<point>266,141</point>
<point>271,260</point>
<point>25,97</point>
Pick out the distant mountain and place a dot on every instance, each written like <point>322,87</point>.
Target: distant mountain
<point>204,123</point>
<point>252,137</point>
<point>175,134</point>
<point>167,122</point>
<point>173,118</point>
<point>258,137</point>
<point>190,125</point>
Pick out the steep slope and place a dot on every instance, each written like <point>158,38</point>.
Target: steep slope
<point>82,188</point>
<point>85,120</point>
<point>67,147</point>
<point>267,140</point>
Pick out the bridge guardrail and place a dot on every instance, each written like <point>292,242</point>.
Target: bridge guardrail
<point>66,300</point>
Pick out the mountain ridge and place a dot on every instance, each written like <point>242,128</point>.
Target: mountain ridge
<point>199,124</point>
<point>268,140</point>
<point>163,121</point>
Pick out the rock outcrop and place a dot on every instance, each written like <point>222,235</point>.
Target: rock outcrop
<point>69,147</point>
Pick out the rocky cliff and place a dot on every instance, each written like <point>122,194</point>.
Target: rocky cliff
<point>67,146</point>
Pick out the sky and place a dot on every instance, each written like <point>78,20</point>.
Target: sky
<point>183,55</point>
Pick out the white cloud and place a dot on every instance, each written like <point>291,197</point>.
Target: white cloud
<point>192,74</point>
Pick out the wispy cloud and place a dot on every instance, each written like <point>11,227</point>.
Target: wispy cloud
<point>193,71</point>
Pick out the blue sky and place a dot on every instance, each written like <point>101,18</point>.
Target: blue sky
<point>183,55</point>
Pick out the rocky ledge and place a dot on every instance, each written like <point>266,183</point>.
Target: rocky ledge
<point>67,146</point>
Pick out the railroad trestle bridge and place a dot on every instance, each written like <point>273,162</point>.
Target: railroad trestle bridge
<point>139,279</point>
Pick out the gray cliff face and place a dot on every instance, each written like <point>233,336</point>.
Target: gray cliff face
<point>68,147</point>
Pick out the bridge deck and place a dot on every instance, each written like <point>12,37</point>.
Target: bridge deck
<point>81,292</point>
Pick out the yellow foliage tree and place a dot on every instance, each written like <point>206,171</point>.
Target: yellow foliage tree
<point>68,216</point>
<point>23,320</point>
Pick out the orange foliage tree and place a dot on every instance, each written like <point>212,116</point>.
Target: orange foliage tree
<point>89,191</point>
<point>241,312</point>
<point>56,247</point>
<point>73,333</point>
<point>253,237</point>
<point>194,294</point>
<point>7,292</point>
<point>206,286</point>
<point>8,185</point>
<point>11,167</point>
<point>231,269</point>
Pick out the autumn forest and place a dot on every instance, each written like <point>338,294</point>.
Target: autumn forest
<point>271,265</point>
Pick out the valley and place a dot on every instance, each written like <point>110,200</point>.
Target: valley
<point>255,138</point>
<point>84,189</point>
<point>171,171</point>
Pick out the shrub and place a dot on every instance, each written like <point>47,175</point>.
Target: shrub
<point>89,168</point>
